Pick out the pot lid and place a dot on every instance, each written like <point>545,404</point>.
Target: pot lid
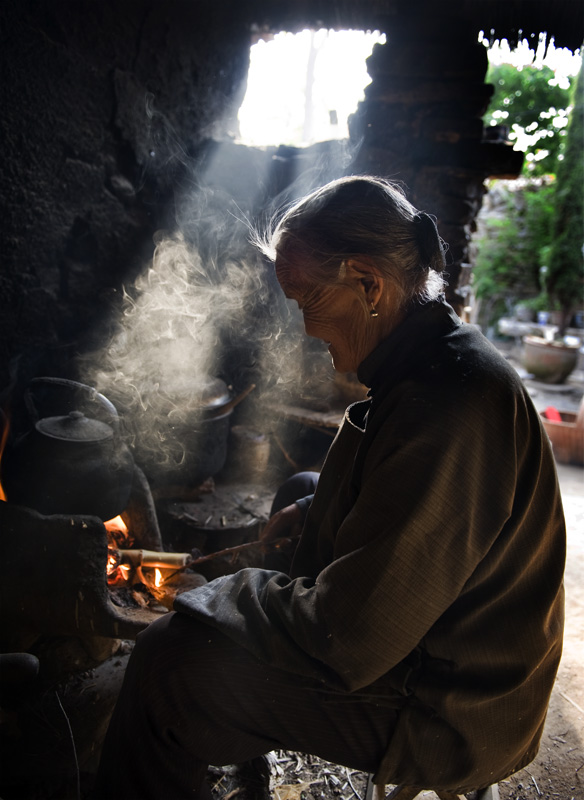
<point>214,393</point>
<point>75,427</point>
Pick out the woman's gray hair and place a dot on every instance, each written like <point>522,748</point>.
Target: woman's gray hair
<point>361,216</point>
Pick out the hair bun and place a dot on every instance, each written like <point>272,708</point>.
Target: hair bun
<point>429,243</point>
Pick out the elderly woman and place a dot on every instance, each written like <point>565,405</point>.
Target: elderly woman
<point>418,631</point>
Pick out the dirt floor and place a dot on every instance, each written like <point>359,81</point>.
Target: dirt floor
<point>558,771</point>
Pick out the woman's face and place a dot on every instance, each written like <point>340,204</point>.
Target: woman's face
<point>334,314</point>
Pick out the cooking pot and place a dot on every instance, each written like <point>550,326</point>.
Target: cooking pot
<point>205,439</point>
<point>200,438</point>
<point>69,462</point>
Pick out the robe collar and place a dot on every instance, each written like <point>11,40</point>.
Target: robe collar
<point>424,325</point>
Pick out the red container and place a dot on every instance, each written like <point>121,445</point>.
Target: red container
<point>567,438</point>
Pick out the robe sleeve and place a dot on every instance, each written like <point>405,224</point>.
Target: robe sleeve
<point>429,508</point>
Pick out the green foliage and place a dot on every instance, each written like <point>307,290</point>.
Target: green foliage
<point>532,250</point>
<point>565,278</point>
<point>512,250</point>
<point>524,93</point>
<point>543,302</point>
<point>495,271</point>
<point>530,102</point>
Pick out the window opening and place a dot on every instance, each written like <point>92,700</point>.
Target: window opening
<point>302,87</point>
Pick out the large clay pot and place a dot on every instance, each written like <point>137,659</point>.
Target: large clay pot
<point>549,362</point>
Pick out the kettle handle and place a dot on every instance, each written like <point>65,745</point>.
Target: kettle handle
<point>46,397</point>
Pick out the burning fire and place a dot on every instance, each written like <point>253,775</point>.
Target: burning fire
<point>126,566</point>
<point>3,439</point>
<point>117,536</point>
<point>118,571</point>
<point>116,524</point>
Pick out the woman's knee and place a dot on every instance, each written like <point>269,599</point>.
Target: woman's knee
<point>164,647</point>
<point>152,639</point>
<point>297,486</point>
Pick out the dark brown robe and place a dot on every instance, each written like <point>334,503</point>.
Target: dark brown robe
<point>429,571</point>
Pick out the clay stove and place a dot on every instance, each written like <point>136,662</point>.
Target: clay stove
<point>75,592</point>
<point>65,641</point>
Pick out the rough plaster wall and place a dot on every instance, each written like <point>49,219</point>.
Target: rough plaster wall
<point>104,103</point>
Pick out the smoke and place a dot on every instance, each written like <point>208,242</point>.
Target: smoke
<point>207,306</point>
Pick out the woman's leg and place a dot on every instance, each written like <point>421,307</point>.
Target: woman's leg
<point>294,488</point>
<point>192,697</point>
<point>297,486</point>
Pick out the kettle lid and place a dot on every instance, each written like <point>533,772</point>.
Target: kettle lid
<point>75,427</point>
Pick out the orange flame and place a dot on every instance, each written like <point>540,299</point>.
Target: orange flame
<point>111,565</point>
<point>3,439</point>
<point>118,535</point>
<point>157,578</point>
<point>117,574</point>
<point>116,524</point>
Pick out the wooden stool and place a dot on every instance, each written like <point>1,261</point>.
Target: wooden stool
<point>376,791</point>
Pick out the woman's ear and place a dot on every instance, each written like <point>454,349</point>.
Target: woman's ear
<point>366,278</point>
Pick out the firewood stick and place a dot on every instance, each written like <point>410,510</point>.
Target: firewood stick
<point>151,558</point>
<point>178,561</point>
<point>239,547</point>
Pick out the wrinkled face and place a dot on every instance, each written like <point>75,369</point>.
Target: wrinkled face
<point>331,313</point>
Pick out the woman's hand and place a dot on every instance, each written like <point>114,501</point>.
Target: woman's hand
<point>284,523</point>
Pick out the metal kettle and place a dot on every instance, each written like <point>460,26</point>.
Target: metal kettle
<point>73,462</point>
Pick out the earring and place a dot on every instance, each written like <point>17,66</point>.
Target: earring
<point>373,312</point>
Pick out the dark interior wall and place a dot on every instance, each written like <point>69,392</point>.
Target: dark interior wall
<point>103,104</point>
<point>112,109</point>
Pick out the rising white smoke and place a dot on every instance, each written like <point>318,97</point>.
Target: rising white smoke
<point>186,320</point>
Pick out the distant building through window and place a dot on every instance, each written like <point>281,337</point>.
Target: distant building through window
<point>302,87</point>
